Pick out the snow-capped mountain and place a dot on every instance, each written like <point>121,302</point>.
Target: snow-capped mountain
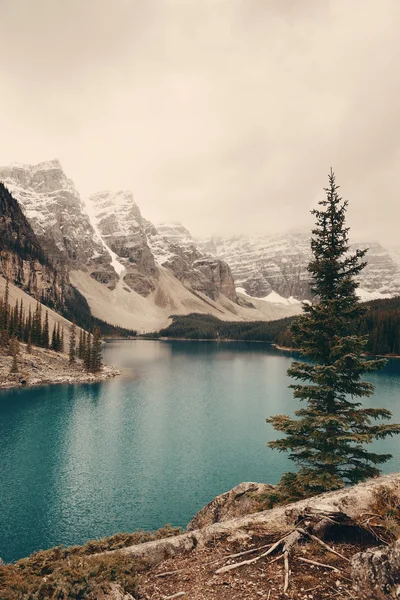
<point>175,249</point>
<point>278,263</point>
<point>58,216</point>
<point>131,273</point>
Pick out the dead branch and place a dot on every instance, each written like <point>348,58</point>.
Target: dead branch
<point>316,539</point>
<point>287,572</point>
<point>221,558</point>
<point>318,564</point>
<point>227,568</point>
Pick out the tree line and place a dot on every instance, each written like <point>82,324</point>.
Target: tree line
<point>32,328</point>
<point>380,323</point>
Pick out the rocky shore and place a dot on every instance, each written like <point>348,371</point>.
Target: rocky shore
<point>338,545</point>
<point>42,366</point>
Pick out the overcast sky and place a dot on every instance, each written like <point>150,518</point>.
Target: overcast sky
<point>222,114</point>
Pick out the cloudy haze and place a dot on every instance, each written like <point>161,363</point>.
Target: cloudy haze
<point>223,114</point>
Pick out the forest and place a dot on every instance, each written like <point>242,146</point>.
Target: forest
<point>381,323</point>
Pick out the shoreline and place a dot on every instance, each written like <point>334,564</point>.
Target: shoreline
<point>47,367</point>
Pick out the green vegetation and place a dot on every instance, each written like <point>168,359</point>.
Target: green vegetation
<point>380,323</point>
<point>207,327</point>
<point>78,571</point>
<point>328,436</point>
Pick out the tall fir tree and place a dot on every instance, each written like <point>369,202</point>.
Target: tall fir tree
<point>87,359</point>
<point>36,333</point>
<point>327,439</point>
<point>96,358</point>
<point>45,332</point>
<point>72,344</point>
<point>81,345</point>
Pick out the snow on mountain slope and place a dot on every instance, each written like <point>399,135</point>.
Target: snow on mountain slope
<point>265,264</point>
<point>58,216</point>
<point>120,254</point>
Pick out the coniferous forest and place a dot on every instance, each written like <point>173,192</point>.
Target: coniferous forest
<point>32,328</point>
<point>381,324</point>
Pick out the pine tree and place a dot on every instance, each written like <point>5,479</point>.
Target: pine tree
<point>37,325</point>
<point>81,345</point>
<point>72,344</point>
<point>14,349</point>
<point>327,439</point>
<point>54,337</point>
<point>87,360</point>
<point>45,332</point>
<point>29,345</point>
<point>4,318</point>
<point>96,358</point>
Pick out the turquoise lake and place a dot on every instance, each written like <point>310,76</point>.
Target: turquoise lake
<point>184,423</point>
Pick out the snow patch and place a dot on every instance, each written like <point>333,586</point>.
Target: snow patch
<point>365,295</point>
<point>117,266</point>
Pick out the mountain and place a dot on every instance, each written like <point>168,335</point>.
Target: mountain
<point>58,216</point>
<point>131,273</point>
<point>277,265</point>
<point>22,258</point>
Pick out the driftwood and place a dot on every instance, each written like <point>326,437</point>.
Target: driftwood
<point>310,522</point>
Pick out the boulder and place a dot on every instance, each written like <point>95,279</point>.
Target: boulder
<point>376,572</point>
<point>244,499</point>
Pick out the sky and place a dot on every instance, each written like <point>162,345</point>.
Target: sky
<point>225,115</point>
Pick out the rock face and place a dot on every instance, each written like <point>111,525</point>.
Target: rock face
<point>244,499</point>
<point>22,259</point>
<point>123,229</point>
<point>58,217</point>
<point>376,572</point>
<point>176,250</point>
<point>107,237</point>
<point>278,263</point>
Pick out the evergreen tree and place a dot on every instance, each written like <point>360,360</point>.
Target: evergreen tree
<point>327,439</point>
<point>29,344</point>
<point>87,360</point>
<point>62,339</point>
<point>4,318</point>
<point>53,338</point>
<point>45,332</point>
<point>96,358</point>
<point>72,344</point>
<point>14,349</point>
<point>36,332</point>
<point>21,319</point>
<point>81,345</point>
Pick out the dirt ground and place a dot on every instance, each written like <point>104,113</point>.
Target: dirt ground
<point>193,575</point>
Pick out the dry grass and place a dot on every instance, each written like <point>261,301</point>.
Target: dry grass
<point>77,572</point>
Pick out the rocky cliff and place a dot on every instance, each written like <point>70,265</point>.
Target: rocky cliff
<point>265,264</point>
<point>54,208</point>
<point>115,257</point>
<point>22,259</point>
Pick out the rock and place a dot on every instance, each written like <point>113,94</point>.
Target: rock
<point>262,264</point>
<point>115,593</point>
<point>376,572</point>
<point>353,501</point>
<point>244,499</point>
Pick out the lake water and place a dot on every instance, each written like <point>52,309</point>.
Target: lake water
<point>184,423</point>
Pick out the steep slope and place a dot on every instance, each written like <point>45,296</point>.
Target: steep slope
<point>142,248</point>
<point>57,214</point>
<point>22,259</point>
<point>176,250</point>
<point>106,241</point>
<point>263,265</point>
